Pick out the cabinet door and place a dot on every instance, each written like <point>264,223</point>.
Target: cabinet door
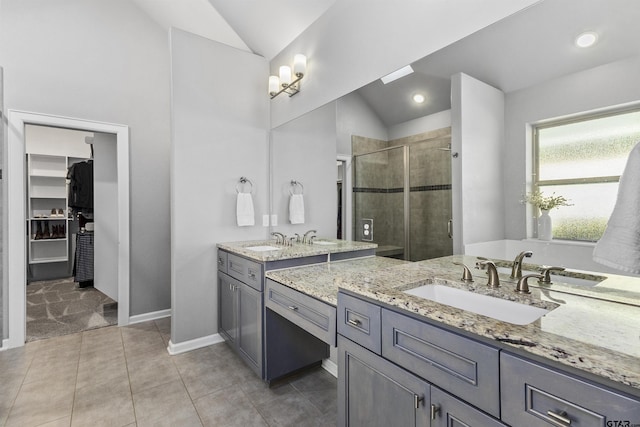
<point>227,324</point>
<point>447,411</point>
<point>375,392</point>
<point>249,339</point>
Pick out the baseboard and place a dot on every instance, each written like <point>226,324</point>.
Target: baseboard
<point>154,315</point>
<point>330,366</point>
<point>5,345</point>
<point>194,344</point>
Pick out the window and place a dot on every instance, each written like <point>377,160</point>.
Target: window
<point>582,160</point>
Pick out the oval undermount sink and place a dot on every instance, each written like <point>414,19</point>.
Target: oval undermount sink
<point>263,248</point>
<point>496,308</point>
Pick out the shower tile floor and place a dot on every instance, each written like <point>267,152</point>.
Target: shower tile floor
<point>59,307</point>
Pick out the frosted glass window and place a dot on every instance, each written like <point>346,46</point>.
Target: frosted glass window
<point>582,160</point>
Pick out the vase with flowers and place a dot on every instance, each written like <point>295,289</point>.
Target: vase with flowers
<point>545,204</point>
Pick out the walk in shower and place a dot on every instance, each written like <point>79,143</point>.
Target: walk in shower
<point>402,195</point>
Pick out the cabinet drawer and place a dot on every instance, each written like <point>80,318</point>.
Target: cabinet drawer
<point>246,271</point>
<point>534,395</point>
<point>222,260</point>
<point>315,317</point>
<point>359,321</point>
<point>464,367</point>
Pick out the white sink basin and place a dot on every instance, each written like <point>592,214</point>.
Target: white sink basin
<point>323,242</point>
<point>496,308</point>
<point>263,248</point>
<point>555,278</point>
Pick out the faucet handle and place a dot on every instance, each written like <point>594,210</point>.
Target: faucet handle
<point>522,287</point>
<point>492,272</point>
<point>467,277</point>
<point>545,271</point>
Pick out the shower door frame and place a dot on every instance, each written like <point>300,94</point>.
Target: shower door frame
<point>406,193</point>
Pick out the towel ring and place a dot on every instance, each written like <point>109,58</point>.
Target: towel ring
<point>295,184</point>
<point>243,181</point>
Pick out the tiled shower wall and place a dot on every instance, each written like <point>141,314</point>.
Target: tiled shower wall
<point>379,186</point>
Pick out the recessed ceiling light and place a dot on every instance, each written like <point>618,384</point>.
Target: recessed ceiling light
<point>586,39</point>
<point>404,71</point>
<point>418,98</point>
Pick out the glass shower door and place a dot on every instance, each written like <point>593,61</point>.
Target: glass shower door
<point>431,212</point>
<point>380,201</point>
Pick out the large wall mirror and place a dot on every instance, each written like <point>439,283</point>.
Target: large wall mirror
<point>443,175</point>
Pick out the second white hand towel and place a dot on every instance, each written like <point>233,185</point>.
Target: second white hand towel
<point>244,210</point>
<point>296,209</point>
<point>619,246</point>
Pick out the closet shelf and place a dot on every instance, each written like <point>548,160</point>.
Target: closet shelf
<point>60,239</point>
<point>46,260</point>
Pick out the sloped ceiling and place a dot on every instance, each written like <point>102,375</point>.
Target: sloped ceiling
<point>263,27</point>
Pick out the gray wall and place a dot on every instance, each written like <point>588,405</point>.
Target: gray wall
<point>355,117</point>
<point>598,88</point>
<point>102,60</point>
<point>220,113</point>
<point>305,150</point>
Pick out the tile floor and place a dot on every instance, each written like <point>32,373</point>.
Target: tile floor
<point>125,377</point>
<point>59,307</point>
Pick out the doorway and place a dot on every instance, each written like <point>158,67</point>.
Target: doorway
<point>16,203</point>
<point>69,282</point>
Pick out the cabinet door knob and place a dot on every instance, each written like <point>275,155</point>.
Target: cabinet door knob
<point>293,307</point>
<point>354,322</point>
<point>560,416</point>
<point>434,410</point>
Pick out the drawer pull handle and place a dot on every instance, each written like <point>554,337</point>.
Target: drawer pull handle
<point>252,275</point>
<point>354,322</point>
<point>561,417</point>
<point>434,411</point>
<point>220,262</point>
<point>416,401</point>
<point>293,307</point>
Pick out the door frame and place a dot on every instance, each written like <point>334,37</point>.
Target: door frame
<point>16,266</point>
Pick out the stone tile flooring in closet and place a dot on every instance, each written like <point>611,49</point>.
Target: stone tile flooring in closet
<point>125,377</point>
<point>59,307</point>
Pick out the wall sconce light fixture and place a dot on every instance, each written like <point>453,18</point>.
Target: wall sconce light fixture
<point>284,83</point>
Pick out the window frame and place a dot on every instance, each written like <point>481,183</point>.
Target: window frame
<point>536,182</point>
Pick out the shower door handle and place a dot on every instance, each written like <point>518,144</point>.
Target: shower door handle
<point>450,228</point>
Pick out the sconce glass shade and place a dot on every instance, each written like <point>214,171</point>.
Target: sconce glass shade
<point>274,84</point>
<point>299,65</point>
<point>285,75</point>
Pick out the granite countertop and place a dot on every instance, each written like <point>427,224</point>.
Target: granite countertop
<point>594,335</point>
<point>296,250</point>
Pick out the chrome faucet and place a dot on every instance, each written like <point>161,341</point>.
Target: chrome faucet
<point>305,236</point>
<point>280,238</point>
<point>492,271</point>
<point>516,268</point>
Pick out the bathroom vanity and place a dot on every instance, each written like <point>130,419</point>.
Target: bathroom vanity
<point>406,359</point>
<point>261,330</point>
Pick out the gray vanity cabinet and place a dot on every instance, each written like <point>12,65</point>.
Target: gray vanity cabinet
<point>375,392</point>
<point>240,319</point>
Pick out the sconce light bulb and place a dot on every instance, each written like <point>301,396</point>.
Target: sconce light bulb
<point>274,85</point>
<point>299,65</point>
<point>285,75</point>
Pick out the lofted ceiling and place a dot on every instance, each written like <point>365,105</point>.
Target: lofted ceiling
<point>522,50</point>
<point>264,27</point>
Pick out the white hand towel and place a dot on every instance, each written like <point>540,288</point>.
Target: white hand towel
<point>619,246</point>
<point>296,209</point>
<point>244,210</point>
